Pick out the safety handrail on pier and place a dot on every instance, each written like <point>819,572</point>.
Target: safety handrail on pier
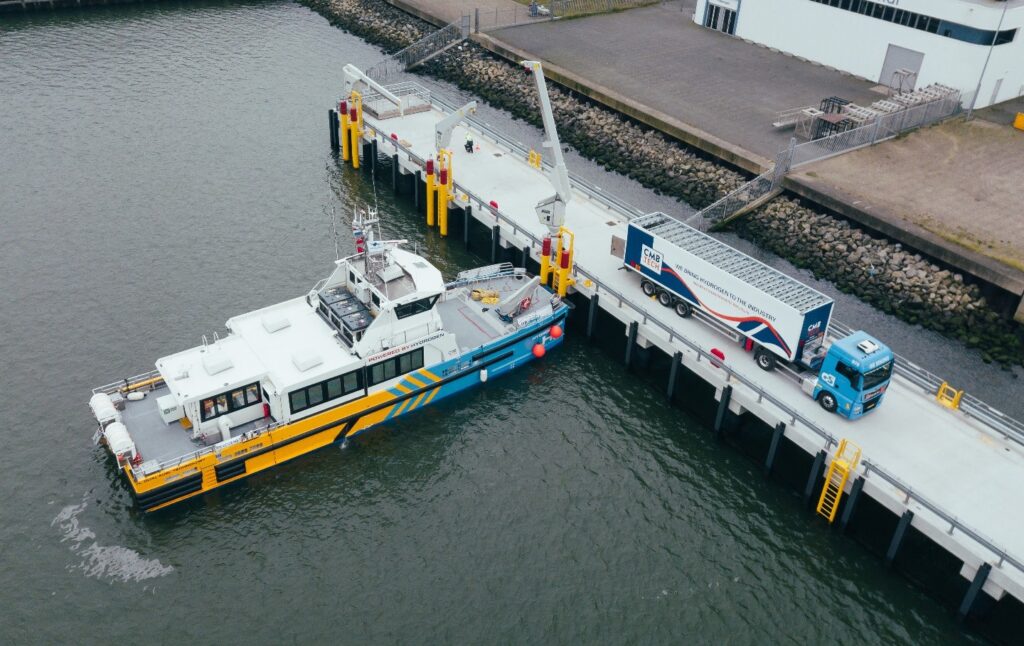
<point>909,371</point>
<point>954,523</point>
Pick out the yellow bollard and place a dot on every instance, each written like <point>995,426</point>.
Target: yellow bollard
<point>442,202</point>
<point>565,260</point>
<point>430,192</point>
<point>446,183</point>
<point>356,125</point>
<point>545,260</point>
<point>343,116</point>
<point>353,128</point>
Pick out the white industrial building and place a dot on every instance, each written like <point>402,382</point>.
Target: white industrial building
<point>899,43</point>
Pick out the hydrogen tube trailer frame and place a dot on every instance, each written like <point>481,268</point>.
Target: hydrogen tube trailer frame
<point>781,318</point>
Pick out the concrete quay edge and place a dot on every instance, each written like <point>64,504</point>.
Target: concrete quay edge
<point>917,238</point>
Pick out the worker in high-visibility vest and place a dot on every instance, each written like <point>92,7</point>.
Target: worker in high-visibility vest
<point>469,142</point>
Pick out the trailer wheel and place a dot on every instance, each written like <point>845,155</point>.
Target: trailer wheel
<point>665,298</point>
<point>765,360</point>
<point>828,401</point>
<point>648,287</point>
<point>683,309</point>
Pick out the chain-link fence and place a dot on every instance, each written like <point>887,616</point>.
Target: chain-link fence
<point>564,8</point>
<point>489,19</point>
<point>885,126</point>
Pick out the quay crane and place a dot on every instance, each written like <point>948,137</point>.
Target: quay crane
<point>551,211</point>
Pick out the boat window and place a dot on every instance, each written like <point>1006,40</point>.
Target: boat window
<point>298,400</point>
<point>228,402</point>
<point>395,366</point>
<point>334,388</point>
<point>325,391</point>
<point>375,299</point>
<point>352,382</point>
<point>416,307</point>
<point>315,395</point>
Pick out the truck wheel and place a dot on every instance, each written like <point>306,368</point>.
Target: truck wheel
<point>683,309</point>
<point>648,287</point>
<point>665,298</point>
<point>765,360</point>
<point>828,401</point>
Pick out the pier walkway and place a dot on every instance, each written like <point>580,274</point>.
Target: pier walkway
<point>961,479</point>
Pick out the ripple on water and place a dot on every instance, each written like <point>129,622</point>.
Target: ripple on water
<point>109,562</point>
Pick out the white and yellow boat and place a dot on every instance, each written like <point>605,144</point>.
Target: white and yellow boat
<point>382,336</point>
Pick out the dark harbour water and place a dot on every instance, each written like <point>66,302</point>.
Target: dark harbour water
<point>166,167</point>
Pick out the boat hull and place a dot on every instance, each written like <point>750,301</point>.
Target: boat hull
<point>412,392</point>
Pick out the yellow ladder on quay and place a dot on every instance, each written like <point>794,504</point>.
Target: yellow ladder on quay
<point>845,462</point>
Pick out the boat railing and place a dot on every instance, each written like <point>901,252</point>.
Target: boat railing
<point>490,272</point>
<point>150,378</point>
<point>164,465</point>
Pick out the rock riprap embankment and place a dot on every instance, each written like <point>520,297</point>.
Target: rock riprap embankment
<point>877,270</point>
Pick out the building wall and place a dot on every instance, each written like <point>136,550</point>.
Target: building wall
<point>858,44</point>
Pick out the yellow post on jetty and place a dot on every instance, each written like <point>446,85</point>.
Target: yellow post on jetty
<point>430,192</point>
<point>343,118</point>
<point>445,181</point>
<point>356,125</point>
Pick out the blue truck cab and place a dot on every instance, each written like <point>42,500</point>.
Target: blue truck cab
<point>854,375</point>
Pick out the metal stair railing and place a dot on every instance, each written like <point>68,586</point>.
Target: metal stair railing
<point>421,51</point>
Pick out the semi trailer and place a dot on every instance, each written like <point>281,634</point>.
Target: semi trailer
<point>781,319</point>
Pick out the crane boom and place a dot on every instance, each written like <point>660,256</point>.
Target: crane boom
<point>443,129</point>
<point>551,211</point>
<point>354,76</point>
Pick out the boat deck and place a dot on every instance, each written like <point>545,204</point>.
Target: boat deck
<point>476,323</point>
<point>155,440</point>
<point>924,458</point>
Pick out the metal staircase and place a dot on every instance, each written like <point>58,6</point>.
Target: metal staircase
<point>421,51</point>
<point>845,462</point>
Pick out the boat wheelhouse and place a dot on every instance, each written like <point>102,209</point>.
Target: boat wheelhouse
<point>382,336</point>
